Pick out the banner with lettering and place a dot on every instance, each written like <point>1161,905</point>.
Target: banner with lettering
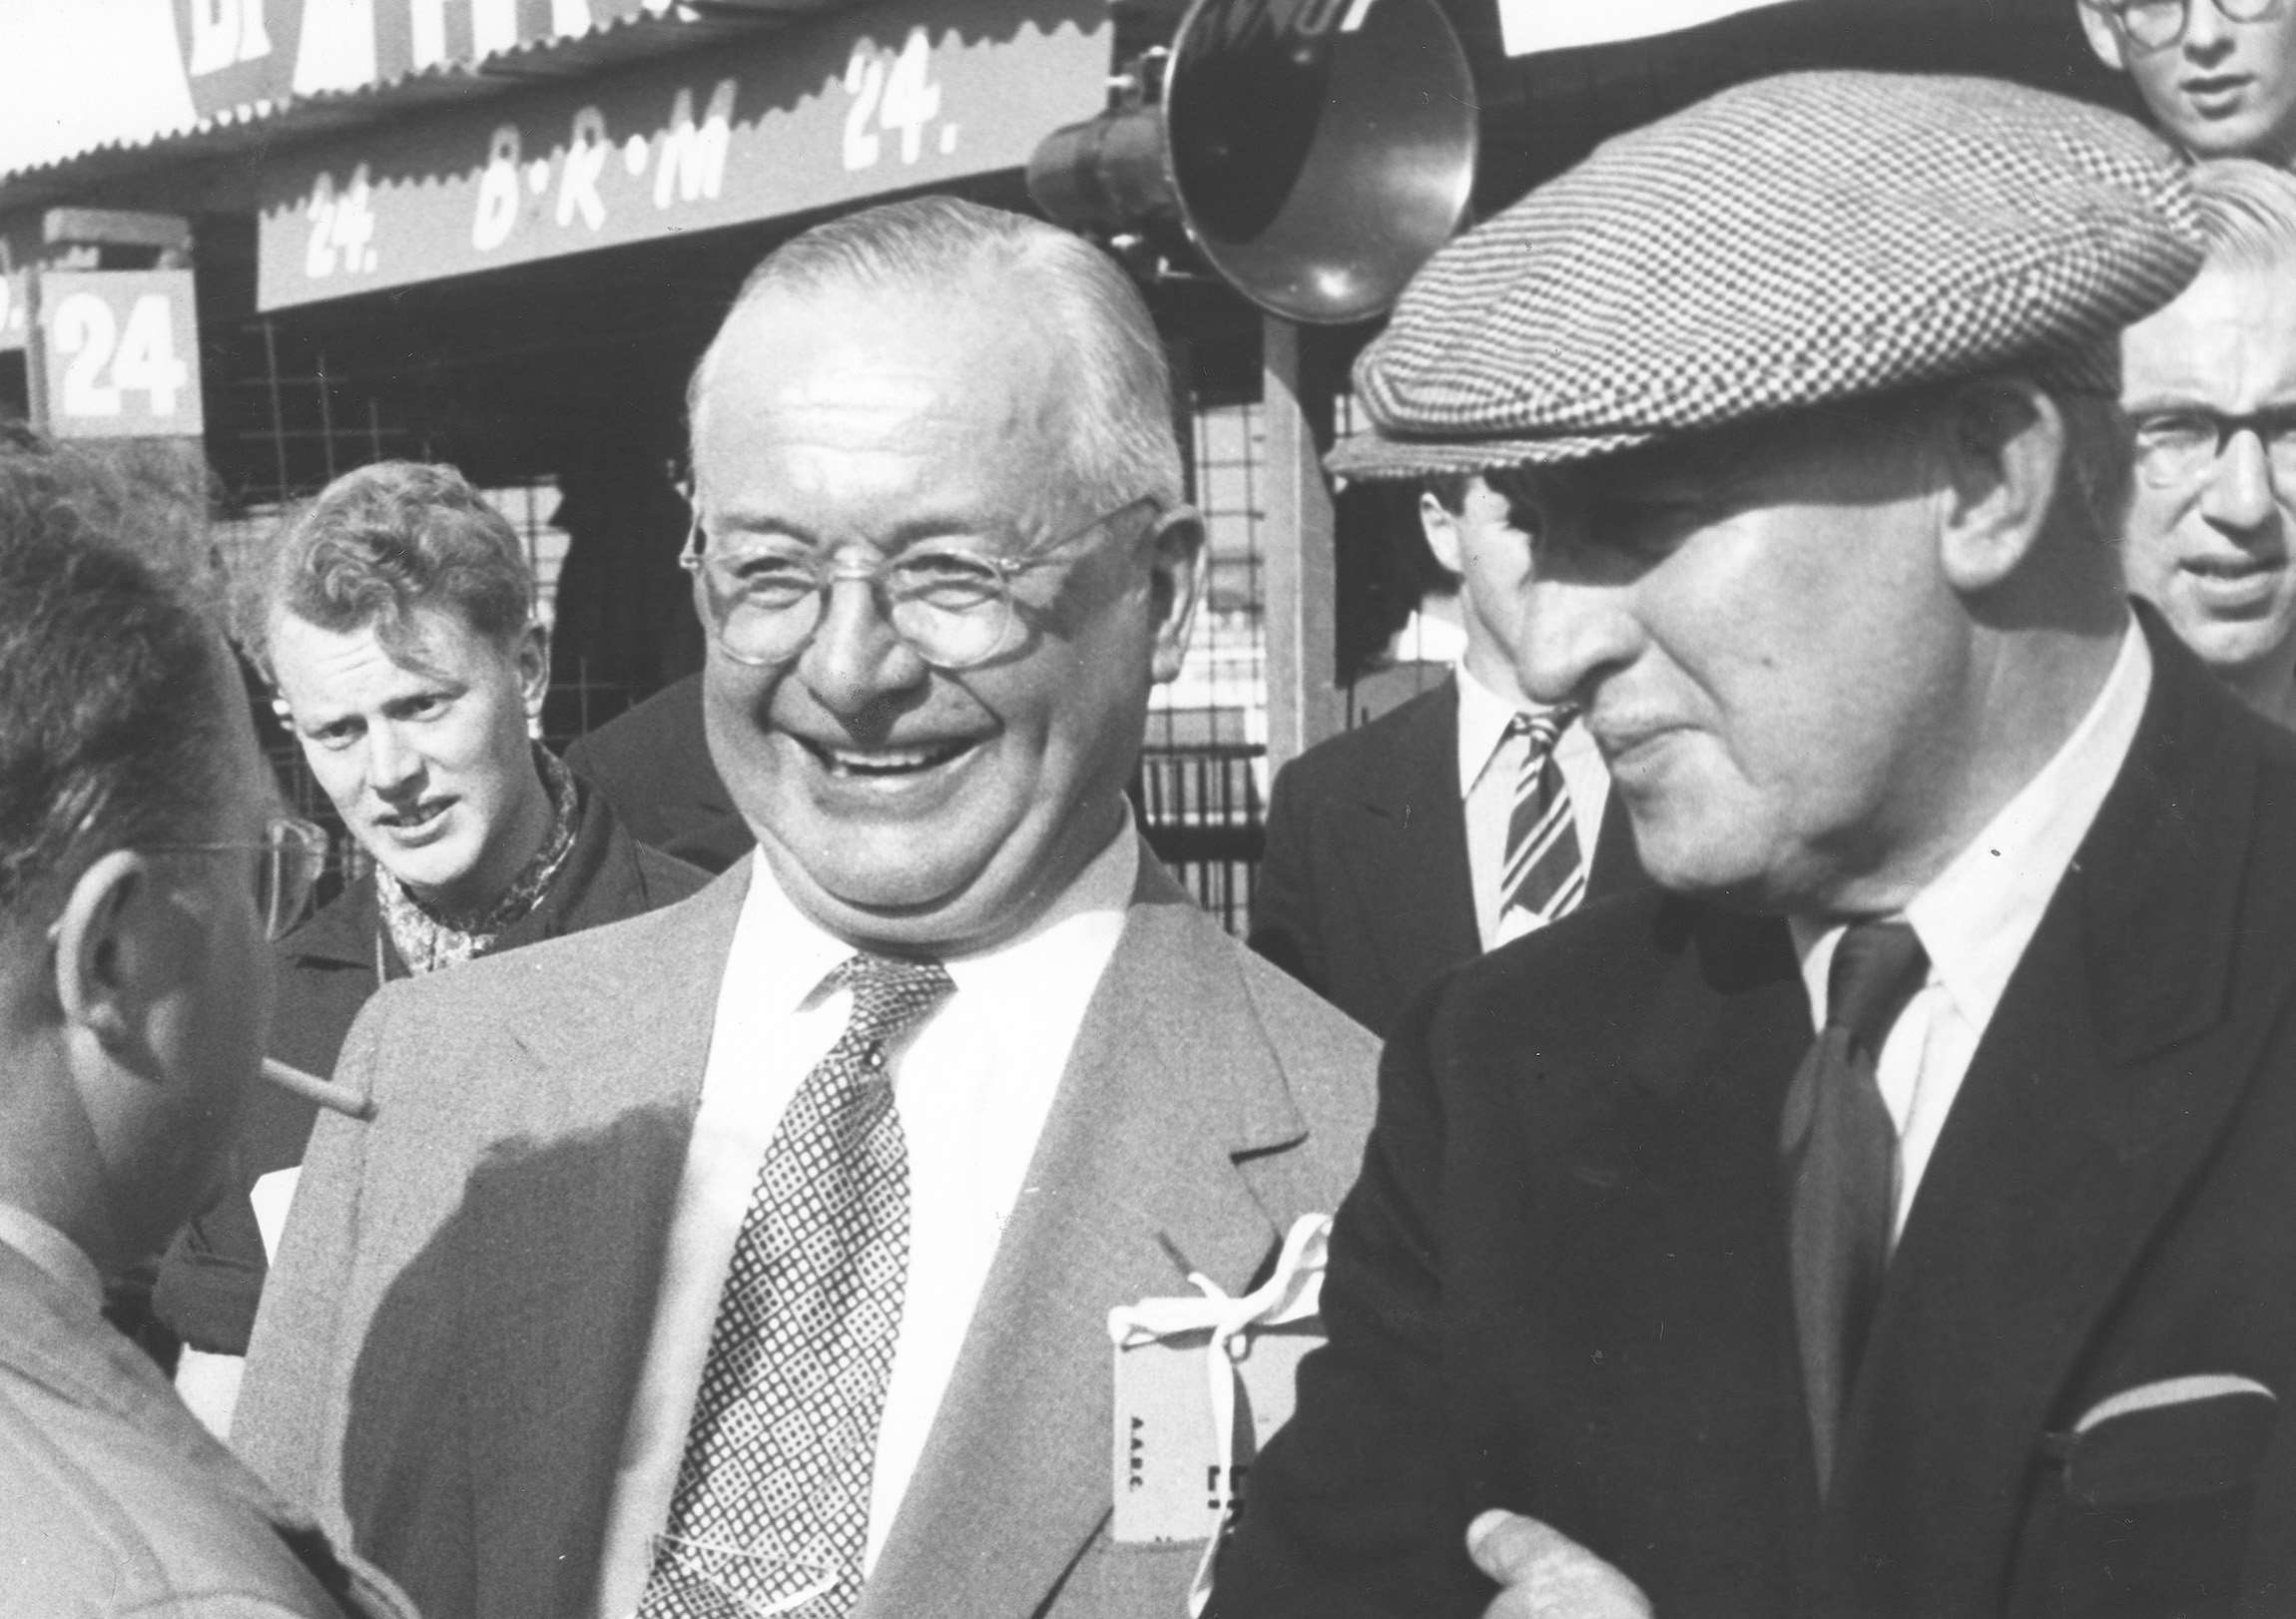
<point>894,96</point>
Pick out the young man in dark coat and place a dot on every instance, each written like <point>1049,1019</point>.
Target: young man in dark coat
<point>397,624</point>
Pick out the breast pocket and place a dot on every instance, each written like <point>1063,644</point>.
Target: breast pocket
<point>2152,1491</point>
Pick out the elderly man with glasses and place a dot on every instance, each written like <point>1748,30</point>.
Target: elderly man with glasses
<point>2209,385</point>
<point>758,1256</point>
<point>2219,76</point>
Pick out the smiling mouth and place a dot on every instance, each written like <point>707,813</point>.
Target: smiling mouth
<point>877,764</point>
<point>415,816</point>
<point>2232,569</point>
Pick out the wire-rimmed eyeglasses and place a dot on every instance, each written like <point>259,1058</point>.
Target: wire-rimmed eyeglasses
<point>2157,24</point>
<point>294,853</point>
<point>2178,448</point>
<point>953,605</point>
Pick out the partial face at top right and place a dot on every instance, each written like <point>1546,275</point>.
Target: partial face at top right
<point>2219,76</point>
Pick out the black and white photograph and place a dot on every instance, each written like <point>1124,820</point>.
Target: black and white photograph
<point>1147,808</point>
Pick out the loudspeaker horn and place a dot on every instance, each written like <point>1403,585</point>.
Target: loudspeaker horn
<point>1314,152</point>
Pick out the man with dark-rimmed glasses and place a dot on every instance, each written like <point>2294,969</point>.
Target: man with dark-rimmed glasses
<point>2209,385</point>
<point>2219,76</point>
<point>143,859</point>
<point>767,1264</point>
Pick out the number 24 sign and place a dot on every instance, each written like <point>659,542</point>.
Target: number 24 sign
<point>116,355</point>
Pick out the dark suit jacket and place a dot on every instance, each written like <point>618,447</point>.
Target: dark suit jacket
<point>326,971</point>
<point>453,1334</point>
<point>1364,894</point>
<point>653,764</point>
<point>1561,1285</point>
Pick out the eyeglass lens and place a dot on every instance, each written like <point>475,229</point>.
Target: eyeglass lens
<point>2157,23</point>
<point>955,611</point>
<point>2174,450</point>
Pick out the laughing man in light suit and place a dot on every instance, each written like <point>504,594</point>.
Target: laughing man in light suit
<point>483,1341</point>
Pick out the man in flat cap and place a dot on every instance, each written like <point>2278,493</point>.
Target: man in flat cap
<point>1890,1217</point>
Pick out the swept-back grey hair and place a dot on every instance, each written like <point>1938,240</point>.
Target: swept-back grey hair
<point>1123,444</point>
<point>2247,214</point>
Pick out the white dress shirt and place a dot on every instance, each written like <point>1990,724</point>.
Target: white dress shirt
<point>1976,916</point>
<point>53,1251</point>
<point>974,1085</point>
<point>1489,765</point>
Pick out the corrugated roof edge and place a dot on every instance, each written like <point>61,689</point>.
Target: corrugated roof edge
<point>679,26</point>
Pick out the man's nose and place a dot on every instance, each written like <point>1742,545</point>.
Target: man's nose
<point>856,656</point>
<point>392,767</point>
<point>1575,630</point>
<point>2240,492</point>
<point>2208,32</point>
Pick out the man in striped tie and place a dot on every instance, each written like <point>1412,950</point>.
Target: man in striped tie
<point>1464,818</point>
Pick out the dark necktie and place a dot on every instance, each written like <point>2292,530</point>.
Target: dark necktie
<point>771,1510</point>
<point>1841,1160</point>
<point>1542,874</point>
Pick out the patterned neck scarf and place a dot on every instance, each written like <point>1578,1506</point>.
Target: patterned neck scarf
<point>427,938</point>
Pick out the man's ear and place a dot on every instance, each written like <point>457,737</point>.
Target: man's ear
<point>96,948</point>
<point>1176,569</point>
<point>2103,36</point>
<point>533,658</point>
<point>1441,524</point>
<point>2003,440</point>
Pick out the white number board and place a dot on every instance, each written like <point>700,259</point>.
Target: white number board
<point>116,355</point>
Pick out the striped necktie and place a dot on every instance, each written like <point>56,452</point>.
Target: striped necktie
<point>771,1510</point>
<point>1543,875</point>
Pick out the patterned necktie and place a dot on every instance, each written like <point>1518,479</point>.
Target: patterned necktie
<point>1841,1157</point>
<point>1543,874</point>
<point>771,1510</point>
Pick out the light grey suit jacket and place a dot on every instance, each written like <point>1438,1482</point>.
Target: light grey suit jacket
<point>113,1500</point>
<point>451,1339</point>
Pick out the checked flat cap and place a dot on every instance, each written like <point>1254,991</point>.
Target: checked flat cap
<point>1793,242</point>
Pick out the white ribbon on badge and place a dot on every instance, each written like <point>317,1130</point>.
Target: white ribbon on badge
<point>1292,1293</point>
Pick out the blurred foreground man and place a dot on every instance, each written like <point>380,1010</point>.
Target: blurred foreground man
<point>1893,1219</point>
<point>397,619</point>
<point>141,853</point>
<point>2209,385</point>
<point>757,1256</point>
<point>2218,76</point>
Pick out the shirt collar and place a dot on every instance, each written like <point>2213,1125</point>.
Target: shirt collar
<point>428,940</point>
<point>796,953</point>
<point>1976,918</point>
<point>1483,716</point>
<point>53,1253</point>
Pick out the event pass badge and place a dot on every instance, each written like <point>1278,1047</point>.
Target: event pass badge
<point>1201,1384</point>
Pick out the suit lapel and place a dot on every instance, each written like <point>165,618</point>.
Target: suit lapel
<point>1169,1080</point>
<point>1405,849</point>
<point>569,1215</point>
<point>2105,1076</point>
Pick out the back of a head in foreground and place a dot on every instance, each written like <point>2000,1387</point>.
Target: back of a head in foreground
<point>109,734</point>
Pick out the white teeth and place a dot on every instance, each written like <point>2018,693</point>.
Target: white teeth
<point>885,761</point>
